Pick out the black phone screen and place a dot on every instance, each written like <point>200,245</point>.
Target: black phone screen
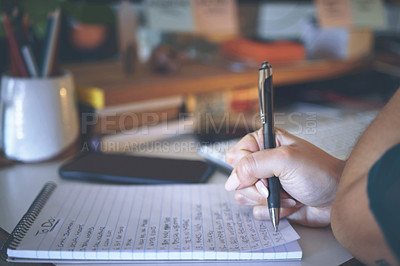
<point>122,168</point>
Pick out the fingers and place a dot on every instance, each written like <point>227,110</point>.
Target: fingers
<point>301,214</point>
<point>249,197</point>
<point>282,137</point>
<point>233,182</point>
<point>261,186</point>
<point>257,165</point>
<point>311,216</point>
<point>252,164</point>
<point>261,212</point>
<point>253,142</point>
<point>250,143</point>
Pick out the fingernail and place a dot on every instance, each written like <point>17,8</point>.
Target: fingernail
<point>261,212</point>
<point>243,200</point>
<point>233,182</point>
<point>262,189</point>
<point>288,203</point>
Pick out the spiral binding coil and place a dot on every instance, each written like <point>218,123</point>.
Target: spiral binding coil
<point>27,220</point>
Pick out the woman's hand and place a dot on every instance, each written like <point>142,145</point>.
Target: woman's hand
<point>308,176</point>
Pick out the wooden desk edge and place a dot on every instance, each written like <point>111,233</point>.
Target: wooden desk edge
<point>200,78</point>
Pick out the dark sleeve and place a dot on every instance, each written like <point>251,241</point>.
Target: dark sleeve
<point>384,196</point>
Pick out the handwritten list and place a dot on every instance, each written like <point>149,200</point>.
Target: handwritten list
<point>173,222</point>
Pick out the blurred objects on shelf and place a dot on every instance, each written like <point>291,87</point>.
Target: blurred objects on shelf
<point>88,31</point>
<point>224,114</point>
<point>165,59</point>
<point>368,88</point>
<point>248,19</point>
<point>119,102</point>
<point>145,138</point>
<point>389,60</point>
<point>85,30</point>
<point>351,13</point>
<point>87,36</point>
<point>255,51</point>
<point>127,26</point>
<point>115,88</point>
<point>193,47</point>
<point>102,120</point>
<point>393,18</point>
<point>388,44</point>
<point>282,20</point>
<point>198,78</point>
<point>339,43</point>
<point>23,50</point>
<point>203,55</point>
<point>199,17</point>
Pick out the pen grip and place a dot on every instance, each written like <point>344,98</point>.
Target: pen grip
<point>274,198</point>
<point>269,136</point>
<point>273,182</point>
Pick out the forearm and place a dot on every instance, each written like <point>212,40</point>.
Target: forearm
<point>383,133</point>
<point>355,227</point>
<point>352,221</point>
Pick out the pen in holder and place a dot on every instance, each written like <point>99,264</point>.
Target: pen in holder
<point>40,117</point>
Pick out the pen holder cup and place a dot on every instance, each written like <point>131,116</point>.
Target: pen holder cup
<point>39,117</point>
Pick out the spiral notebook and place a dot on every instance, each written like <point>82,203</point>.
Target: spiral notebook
<point>111,223</point>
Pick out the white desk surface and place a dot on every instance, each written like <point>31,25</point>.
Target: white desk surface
<point>20,183</point>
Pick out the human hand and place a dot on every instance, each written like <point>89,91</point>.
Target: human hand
<point>308,175</point>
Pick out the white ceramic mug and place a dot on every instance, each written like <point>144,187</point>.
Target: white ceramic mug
<point>40,116</point>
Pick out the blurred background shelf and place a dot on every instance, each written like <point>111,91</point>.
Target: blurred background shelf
<point>196,78</point>
<point>142,62</point>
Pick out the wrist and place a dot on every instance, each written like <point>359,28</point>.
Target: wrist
<point>338,169</point>
<point>331,186</point>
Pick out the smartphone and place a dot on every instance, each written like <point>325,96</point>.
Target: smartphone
<point>125,169</point>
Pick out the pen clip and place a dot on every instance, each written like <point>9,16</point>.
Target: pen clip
<point>261,93</point>
<point>264,72</point>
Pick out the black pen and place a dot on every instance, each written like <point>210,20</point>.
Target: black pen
<point>266,97</point>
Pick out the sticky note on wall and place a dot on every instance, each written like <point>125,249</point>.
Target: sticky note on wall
<point>193,16</point>
<point>334,13</point>
<point>351,13</point>
<point>169,15</point>
<point>215,16</point>
<point>368,13</point>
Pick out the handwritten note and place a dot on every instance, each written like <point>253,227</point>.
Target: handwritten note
<point>103,222</point>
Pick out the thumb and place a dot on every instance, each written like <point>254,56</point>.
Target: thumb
<point>253,142</point>
<point>284,138</point>
<point>257,165</point>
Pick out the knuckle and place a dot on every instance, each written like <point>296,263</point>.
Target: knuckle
<point>286,153</point>
<point>247,166</point>
<point>230,156</point>
<point>280,134</point>
<point>239,198</point>
<point>280,131</point>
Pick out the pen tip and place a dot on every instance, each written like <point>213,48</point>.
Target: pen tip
<point>275,215</point>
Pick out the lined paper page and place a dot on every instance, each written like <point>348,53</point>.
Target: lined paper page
<point>174,222</point>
